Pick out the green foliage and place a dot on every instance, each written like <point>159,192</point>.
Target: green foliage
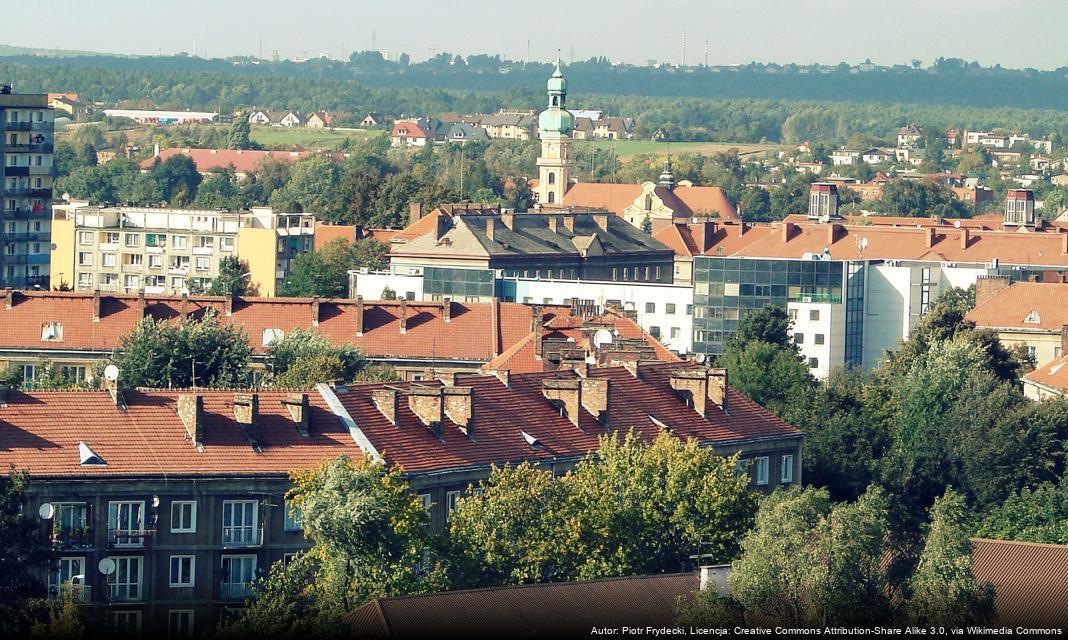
<point>769,374</point>
<point>232,279</point>
<point>920,199</point>
<point>64,622</point>
<point>808,561</point>
<point>324,273</point>
<point>633,508</point>
<point>944,591</point>
<point>201,352</point>
<point>240,133</point>
<point>769,324</point>
<point>1031,516</point>
<point>24,551</point>
<point>369,538</point>
<point>707,609</point>
<point>177,179</point>
<point>303,357</point>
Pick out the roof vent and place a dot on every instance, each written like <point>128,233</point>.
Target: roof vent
<point>88,457</point>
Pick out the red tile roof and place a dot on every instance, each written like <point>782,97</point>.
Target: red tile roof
<point>1053,375</point>
<point>40,432</point>
<point>561,609</point>
<point>467,336</point>
<point>684,201</point>
<point>1044,303</point>
<point>501,413</point>
<point>243,160</point>
<point>1030,580</point>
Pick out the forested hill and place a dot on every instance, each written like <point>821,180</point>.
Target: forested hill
<point>947,82</point>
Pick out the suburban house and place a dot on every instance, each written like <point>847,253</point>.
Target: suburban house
<point>259,117</point>
<point>462,133</point>
<point>286,118</point>
<point>319,120</point>
<point>415,132</point>
<point>876,155</point>
<point>374,119</point>
<point>1028,314</point>
<point>908,136</point>
<point>845,157</point>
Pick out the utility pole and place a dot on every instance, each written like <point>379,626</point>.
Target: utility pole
<point>261,48</point>
<point>527,60</point>
<point>461,171</point>
<point>706,53</point>
<point>684,48</point>
<point>194,48</point>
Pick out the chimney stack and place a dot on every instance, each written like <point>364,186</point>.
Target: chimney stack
<point>315,312</point>
<point>692,385</point>
<point>459,403</point>
<point>1064,242</point>
<point>191,412</point>
<point>553,223</point>
<point>833,230</point>
<point>569,223</point>
<point>246,413</point>
<point>1064,340</point>
<point>297,404</point>
<point>446,310</point>
<point>491,228</point>
<point>403,316</point>
<point>788,231</point>
<point>965,237</point>
<point>415,212</point>
<point>717,387</point>
<point>601,219</point>
<point>565,394</point>
<point>444,223</point>
<point>508,220</point>
<point>140,304</point>
<point>595,397</point>
<point>988,287</point>
<point>426,403</point>
<point>386,402</point>
<point>228,305</point>
<point>183,307</point>
<point>929,236</point>
<point>359,316</point>
<point>9,298</point>
<point>96,305</point>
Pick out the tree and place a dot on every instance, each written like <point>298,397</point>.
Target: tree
<point>324,273</point>
<point>304,357</point>
<point>177,178</point>
<point>755,205</point>
<point>632,508</point>
<point>201,352</point>
<point>370,537</point>
<point>24,551</point>
<point>944,590</point>
<point>808,561</point>
<point>769,374</point>
<point>219,191</point>
<point>64,621</point>
<point>768,324</point>
<point>1040,515</point>
<point>233,279</point>
<point>921,199</point>
<point>240,133</point>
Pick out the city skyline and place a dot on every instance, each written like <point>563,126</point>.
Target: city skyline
<point>843,31</point>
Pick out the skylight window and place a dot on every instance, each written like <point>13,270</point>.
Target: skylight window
<point>51,332</point>
<point>88,457</point>
<point>270,335</point>
<point>1033,317</point>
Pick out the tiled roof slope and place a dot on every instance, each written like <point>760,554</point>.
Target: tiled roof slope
<point>501,413</point>
<point>1030,580</point>
<point>551,610</point>
<point>891,243</point>
<point>1012,307</point>
<point>684,201</point>
<point>243,160</point>
<point>40,432</point>
<point>468,335</point>
<point>1053,375</point>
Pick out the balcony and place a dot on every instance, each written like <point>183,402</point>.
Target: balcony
<point>235,590</point>
<point>20,172</point>
<point>28,192</point>
<point>131,268</point>
<point>80,593</point>
<point>203,251</point>
<point>28,148</point>
<point>18,126</point>
<point>127,538</point>
<point>124,593</point>
<point>75,539</point>
<point>238,537</point>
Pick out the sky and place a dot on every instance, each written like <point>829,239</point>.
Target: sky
<point>1013,33</point>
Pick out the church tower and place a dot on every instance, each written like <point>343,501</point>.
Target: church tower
<point>555,125</point>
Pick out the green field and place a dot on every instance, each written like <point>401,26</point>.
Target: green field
<point>629,148</point>
<point>283,138</point>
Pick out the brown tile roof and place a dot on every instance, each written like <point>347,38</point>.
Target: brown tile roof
<point>1044,302</point>
<point>243,160</point>
<point>1053,375</point>
<point>1030,579</point>
<point>684,201</point>
<point>561,609</point>
<point>40,432</point>
<point>467,336</point>
<point>500,415</point>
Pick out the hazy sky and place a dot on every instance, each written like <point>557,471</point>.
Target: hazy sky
<point>1014,33</point>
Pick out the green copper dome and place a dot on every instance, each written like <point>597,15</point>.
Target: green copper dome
<point>556,120</point>
<point>556,83</point>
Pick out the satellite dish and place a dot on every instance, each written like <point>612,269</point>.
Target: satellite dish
<point>700,358</point>
<point>155,501</point>
<point>956,223</point>
<point>46,511</point>
<point>106,566</point>
<point>53,246</point>
<point>111,373</point>
<point>602,337</point>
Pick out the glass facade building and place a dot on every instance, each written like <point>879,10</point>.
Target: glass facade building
<point>726,288</point>
<point>461,285</point>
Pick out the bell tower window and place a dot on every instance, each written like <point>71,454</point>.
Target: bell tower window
<point>552,195</point>
<point>552,178</point>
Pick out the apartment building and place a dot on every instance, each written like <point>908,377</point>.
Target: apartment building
<point>170,251</point>
<point>167,537</point>
<point>26,143</point>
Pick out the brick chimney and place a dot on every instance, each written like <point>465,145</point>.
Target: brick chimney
<point>988,287</point>
<point>297,404</point>
<point>565,394</point>
<point>965,237</point>
<point>96,305</point>
<point>595,397</point>
<point>191,412</point>
<point>569,223</point>
<point>315,312</point>
<point>833,231</point>
<point>706,232</point>
<point>386,402</point>
<point>359,315</point>
<point>246,413</point>
<point>717,387</point>
<point>9,298</point>
<point>141,304</point>
<point>183,307</point>
<point>403,316</point>
<point>426,403</point>
<point>601,220</point>
<point>446,310</point>
<point>742,228</point>
<point>228,305</point>
<point>443,226</point>
<point>692,385</point>
<point>787,231</point>
<point>929,236</point>
<point>508,220</point>
<point>553,223</point>
<point>491,228</point>
<point>415,212</point>
<point>459,406</point>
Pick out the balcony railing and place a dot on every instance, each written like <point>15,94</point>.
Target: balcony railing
<point>242,537</point>
<point>128,538</point>
<point>18,126</point>
<point>235,590</point>
<point>124,592</point>
<point>28,148</point>
<point>74,539</point>
<point>80,593</point>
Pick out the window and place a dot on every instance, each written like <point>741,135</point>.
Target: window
<point>813,314</point>
<point>124,584</point>
<point>675,331</point>
<point>689,309</point>
<point>670,308</point>
<point>650,307</point>
<point>180,623</point>
<point>203,263</point>
<point>787,475</point>
<point>654,331</point>
<point>125,623</point>
<point>180,242</point>
<point>183,516</point>
<point>793,314</point>
<point>226,244</point>
<point>762,470</point>
<point>294,519</point>
<point>155,261</point>
<point>813,363</point>
<point>182,571</point>
<point>452,498</point>
<point>818,338</point>
<point>270,335</point>
<point>126,523</point>
<point>155,240</point>
<point>85,237</point>
<point>52,332</point>
<point>133,240</point>
<point>107,260</point>
<point>238,572</point>
<point>132,281</point>
<point>85,259</point>
<point>239,522</point>
<point>68,577</point>
<point>427,503</point>
<point>552,178</point>
<point>72,373</point>
<point>799,338</point>
<point>204,242</point>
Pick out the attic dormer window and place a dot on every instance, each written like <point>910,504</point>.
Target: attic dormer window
<point>1033,317</point>
<point>270,335</point>
<point>51,332</point>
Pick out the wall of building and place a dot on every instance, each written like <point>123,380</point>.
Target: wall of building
<point>258,249</point>
<point>62,259</point>
<point>821,327</point>
<point>886,314</point>
<point>1045,346</point>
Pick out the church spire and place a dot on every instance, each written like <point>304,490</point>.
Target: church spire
<point>667,178</point>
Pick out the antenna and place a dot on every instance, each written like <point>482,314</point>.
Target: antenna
<point>261,48</point>
<point>684,47</point>
<point>111,373</point>
<point>527,61</point>
<point>706,53</point>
